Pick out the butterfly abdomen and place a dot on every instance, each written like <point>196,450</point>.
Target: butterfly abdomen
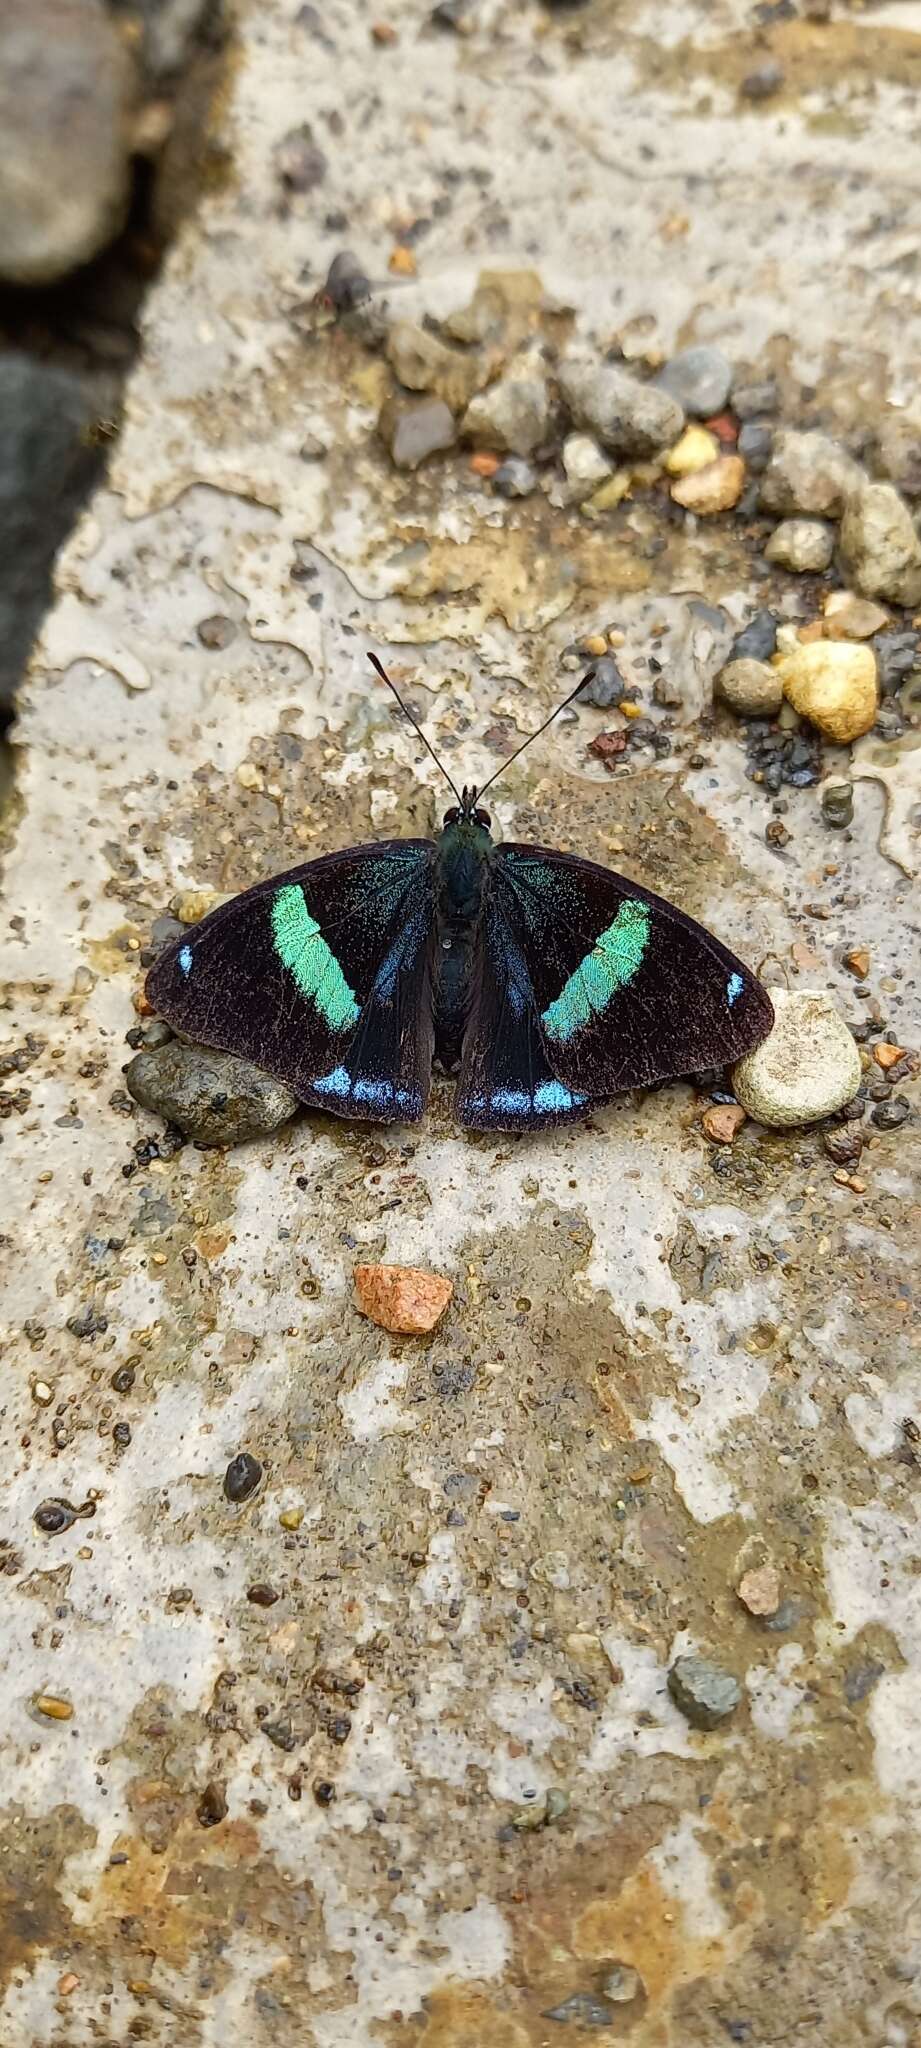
<point>462,858</point>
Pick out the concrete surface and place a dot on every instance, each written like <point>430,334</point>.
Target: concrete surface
<point>662,1361</point>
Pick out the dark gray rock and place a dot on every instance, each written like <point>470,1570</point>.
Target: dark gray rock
<point>628,417</point>
<point>838,805</point>
<point>607,685</point>
<point>66,84</point>
<point>898,655</point>
<point>47,467</point>
<point>215,1098</point>
<point>512,415</point>
<point>699,378</point>
<point>702,1691</point>
<point>757,641</point>
<point>414,432</point>
<point>755,443</point>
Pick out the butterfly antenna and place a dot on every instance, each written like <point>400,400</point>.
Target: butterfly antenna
<point>382,672</point>
<point>536,735</point>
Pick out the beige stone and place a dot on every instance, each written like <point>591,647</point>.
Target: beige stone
<point>694,451</point>
<point>833,684</point>
<point>714,489</point>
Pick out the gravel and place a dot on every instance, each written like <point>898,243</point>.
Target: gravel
<point>699,378</point>
<point>512,415</point>
<point>702,1691</point>
<point>626,416</point>
<point>880,545</point>
<point>757,641</point>
<point>811,474</point>
<point>804,545</point>
<point>215,1098</point>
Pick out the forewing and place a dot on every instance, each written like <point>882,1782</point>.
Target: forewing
<point>320,976</point>
<point>627,988</point>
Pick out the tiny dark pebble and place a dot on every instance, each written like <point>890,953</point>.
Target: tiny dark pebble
<point>838,804</point>
<point>889,723</point>
<point>87,1324</point>
<point>757,641</point>
<point>515,478</point>
<point>860,1679</point>
<point>323,1792</point>
<point>887,1116</point>
<point>123,1379</point>
<point>897,655</point>
<point>121,1435</point>
<point>212,1806</point>
<point>749,400</point>
<point>755,443</point>
<point>262,1595</point>
<point>216,631</point>
<point>242,1476</point>
<point>299,163</point>
<point>605,686</point>
<point>346,285</point>
<point>281,1733</point>
<point>53,1516</point>
<point>843,1146</point>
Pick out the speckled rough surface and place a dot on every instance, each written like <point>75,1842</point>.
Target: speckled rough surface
<point>310,1818</point>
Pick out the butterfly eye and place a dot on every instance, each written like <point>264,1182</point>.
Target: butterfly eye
<point>451,816</point>
<point>481,817</point>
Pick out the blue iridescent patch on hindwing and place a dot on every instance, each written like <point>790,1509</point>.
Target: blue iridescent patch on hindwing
<point>734,987</point>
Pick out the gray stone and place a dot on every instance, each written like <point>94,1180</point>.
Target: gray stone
<point>66,84</point>
<point>807,1067</point>
<point>757,641</point>
<point>583,2009</point>
<point>515,478</point>
<point>755,445</point>
<point>168,31</point>
<point>513,415</point>
<point>809,473</point>
<point>47,464</point>
<point>804,545</point>
<point>414,432</point>
<point>749,401</point>
<point>702,1691</point>
<point>628,417</point>
<point>753,689</point>
<point>699,378</point>
<point>216,631</point>
<point>837,801</point>
<point>622,1984</point>
<point>607,685</point>
<point>898,655</point>
<point>880,545</point>
<point>215,1098</point>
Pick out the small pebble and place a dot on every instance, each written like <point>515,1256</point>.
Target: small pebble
<point>214,1097</point>
<point>416,431</point>
<point>702,1691</point>
<point>584,465</point>
<point>346,285</point>
<point>887,1116</point>
<point>606,685</point>
<point>808,1067</point>
<point>712,490</point>
<point>722,1121</point>
<point>694,451</point>
<point>805,546</point>
<point>837,801</point>
<point>585,2008</point>
<point>759,1590</point>
<point>898,655</point>
<point>755,444</point>
<point>858,960</point>
<point>622,1984</point>
<point>752,688</point>
<point>750,400</point>
<point>809,473</point>
<point>242,1476</point>
<point>887,1056</point>
<point>833,684</point>
<point>699,378</point>
<point>403,1299</point>
<point>515,478</point>
<point>512,415</point>
<point>262,1595</point>
<point>217,631</point>
<point>880,545</point>
<point>843,1145</point>
<point>52,1707</point>
<point>757,641</point>
<point>626,416</point>
<point>54,1516</point>
<point>212,1806</point>
<point>291,1518</point>
<point>848,617</point>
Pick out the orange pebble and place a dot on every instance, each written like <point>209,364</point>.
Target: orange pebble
<point>402,261</point>
<point>484,464</point>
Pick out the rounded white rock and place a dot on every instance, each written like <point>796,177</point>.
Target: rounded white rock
<point>807,1067</point>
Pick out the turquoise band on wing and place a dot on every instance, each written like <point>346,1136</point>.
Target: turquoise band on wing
<point>614,961</point>
<point>316,972</point>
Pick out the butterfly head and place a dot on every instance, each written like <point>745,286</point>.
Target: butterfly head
<point>468,811</point>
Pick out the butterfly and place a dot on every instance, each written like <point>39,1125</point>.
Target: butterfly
<point>546,983</point>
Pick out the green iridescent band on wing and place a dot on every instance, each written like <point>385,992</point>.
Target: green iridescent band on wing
<point>615,959</point>
<point>301,948</point>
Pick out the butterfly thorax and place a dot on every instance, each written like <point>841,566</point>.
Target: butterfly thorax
<point>463,853</point>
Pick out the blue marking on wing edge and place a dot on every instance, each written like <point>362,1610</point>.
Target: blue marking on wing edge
<point>339,1082</point>
<point>734,987</point>
<point>553,1095</point>
<point>185,959</point>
